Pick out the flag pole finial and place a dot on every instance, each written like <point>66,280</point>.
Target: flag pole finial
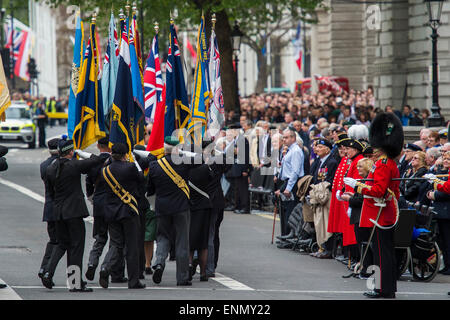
<point>94,17</point>
<point>171,17</point>
<point>156,27</point>
<point>121,15</point>
<point>134,8</point>
<point>213,20</point>
<point>127,8</point>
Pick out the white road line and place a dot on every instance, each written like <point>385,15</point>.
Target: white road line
<point>230,283</point>
<point>32,194</point>
<point>8,293</point>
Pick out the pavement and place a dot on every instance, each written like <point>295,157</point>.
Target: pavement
<point>250,267</point>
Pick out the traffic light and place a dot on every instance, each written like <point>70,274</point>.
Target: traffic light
<point>32,69</point>
<point>5,59</point>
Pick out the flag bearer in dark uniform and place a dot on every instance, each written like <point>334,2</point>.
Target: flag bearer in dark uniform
<point>200,211</point>
<point>380,207</point>
<point>122,215</point>
<point>3,167</point>
<point>96,190</point>
<point>48,207</point>
<point>218,204</point>
<point>69,208</point>
<point>169,181</point>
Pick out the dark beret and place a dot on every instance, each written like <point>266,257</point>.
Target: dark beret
<point>65,145</point>
<point>104,140</point>
<point>53,144</point>
<point>119,148</point>
<point>413,147</point>
<point>325,142</point>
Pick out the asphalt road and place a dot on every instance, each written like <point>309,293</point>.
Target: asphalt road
<point>250,267</point>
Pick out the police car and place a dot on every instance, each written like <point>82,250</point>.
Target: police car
<point>19,125</point>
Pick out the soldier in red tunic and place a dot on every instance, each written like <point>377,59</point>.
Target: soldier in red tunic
<point>380,209</point>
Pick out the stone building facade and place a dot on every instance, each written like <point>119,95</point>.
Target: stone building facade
<point>386,45</point>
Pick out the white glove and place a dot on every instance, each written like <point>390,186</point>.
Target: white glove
<point>141,153</point>
<point>338,195</point>
<point>350,182</point>
<point>349,212</point>
<point>82,154</point>
<point>431,177</point>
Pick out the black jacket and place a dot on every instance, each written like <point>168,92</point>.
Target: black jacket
<point>241,159</point>
<point>97,187</point>
<point>327,170</point>
<point>169,198</point>
<point>441,204</point>
<point>127,175</point>
<point>410,188</point>
<point>200,177</point>
<point>64,179</point>
<point>48,205</point>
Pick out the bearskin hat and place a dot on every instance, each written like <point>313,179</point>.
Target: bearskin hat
<point>386,133</point>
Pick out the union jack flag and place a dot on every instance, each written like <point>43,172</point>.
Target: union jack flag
<point>153,82</point>
<point>22,44</point>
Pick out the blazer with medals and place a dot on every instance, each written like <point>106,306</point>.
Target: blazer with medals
<point>324,171</point>
<point>64,180</point>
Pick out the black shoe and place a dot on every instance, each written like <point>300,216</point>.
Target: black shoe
<point>204,278</point>
<point>139,285</point>
<point>104,279</point>
<point>237,211</point>
<point>82,289</point>
<point>157,273</point>
<point>184,283</point>
<point>2,285</point>
<point>445,272</point>
<point>142,277</point>
<point>41,273</point>
<point>244,211</point>
<point>230,208</point>
<point>377,295</point>
<point>120,280</point>
<point>172,257</point>
<point>211,275</point>
<point>47,281</point>
<point>90,273</point>
<point>148,270</point>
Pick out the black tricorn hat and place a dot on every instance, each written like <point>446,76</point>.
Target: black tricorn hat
<point>386,133</point>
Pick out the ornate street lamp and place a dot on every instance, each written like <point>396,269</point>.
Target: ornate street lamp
<point>434,8</point>
<point>236,37</point>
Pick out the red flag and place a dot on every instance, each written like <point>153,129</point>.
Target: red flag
<point>156,141</point>
<point>191,50</point>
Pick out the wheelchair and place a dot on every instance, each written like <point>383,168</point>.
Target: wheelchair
<point>420,256</point>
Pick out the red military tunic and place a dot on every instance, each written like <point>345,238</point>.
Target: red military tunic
<point>443,186</point>
<point>337,208</point>
<point>382,173</point>
<point>348,231</point>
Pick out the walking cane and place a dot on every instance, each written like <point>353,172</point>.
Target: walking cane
<point>275,210</point>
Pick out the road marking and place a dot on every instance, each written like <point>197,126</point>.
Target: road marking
<point>267,216</point>
<point>230,283</point>
<point>8,293</point>
<point>33,195</point>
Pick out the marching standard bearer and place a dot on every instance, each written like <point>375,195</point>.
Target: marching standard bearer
<point>69,208</point>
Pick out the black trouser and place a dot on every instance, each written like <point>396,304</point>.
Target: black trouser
<point>384,256</point>
<point>51,244</point>
<point>286,209</point>
<point>41,136</point>
<point>124,233</point>
<point>71,235</point>
<point>216,237</point>
<point>241,195</point>
<point>141,240</point>
<point>362,237</point>
<point>100,234</point>
<point>444,240</point>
